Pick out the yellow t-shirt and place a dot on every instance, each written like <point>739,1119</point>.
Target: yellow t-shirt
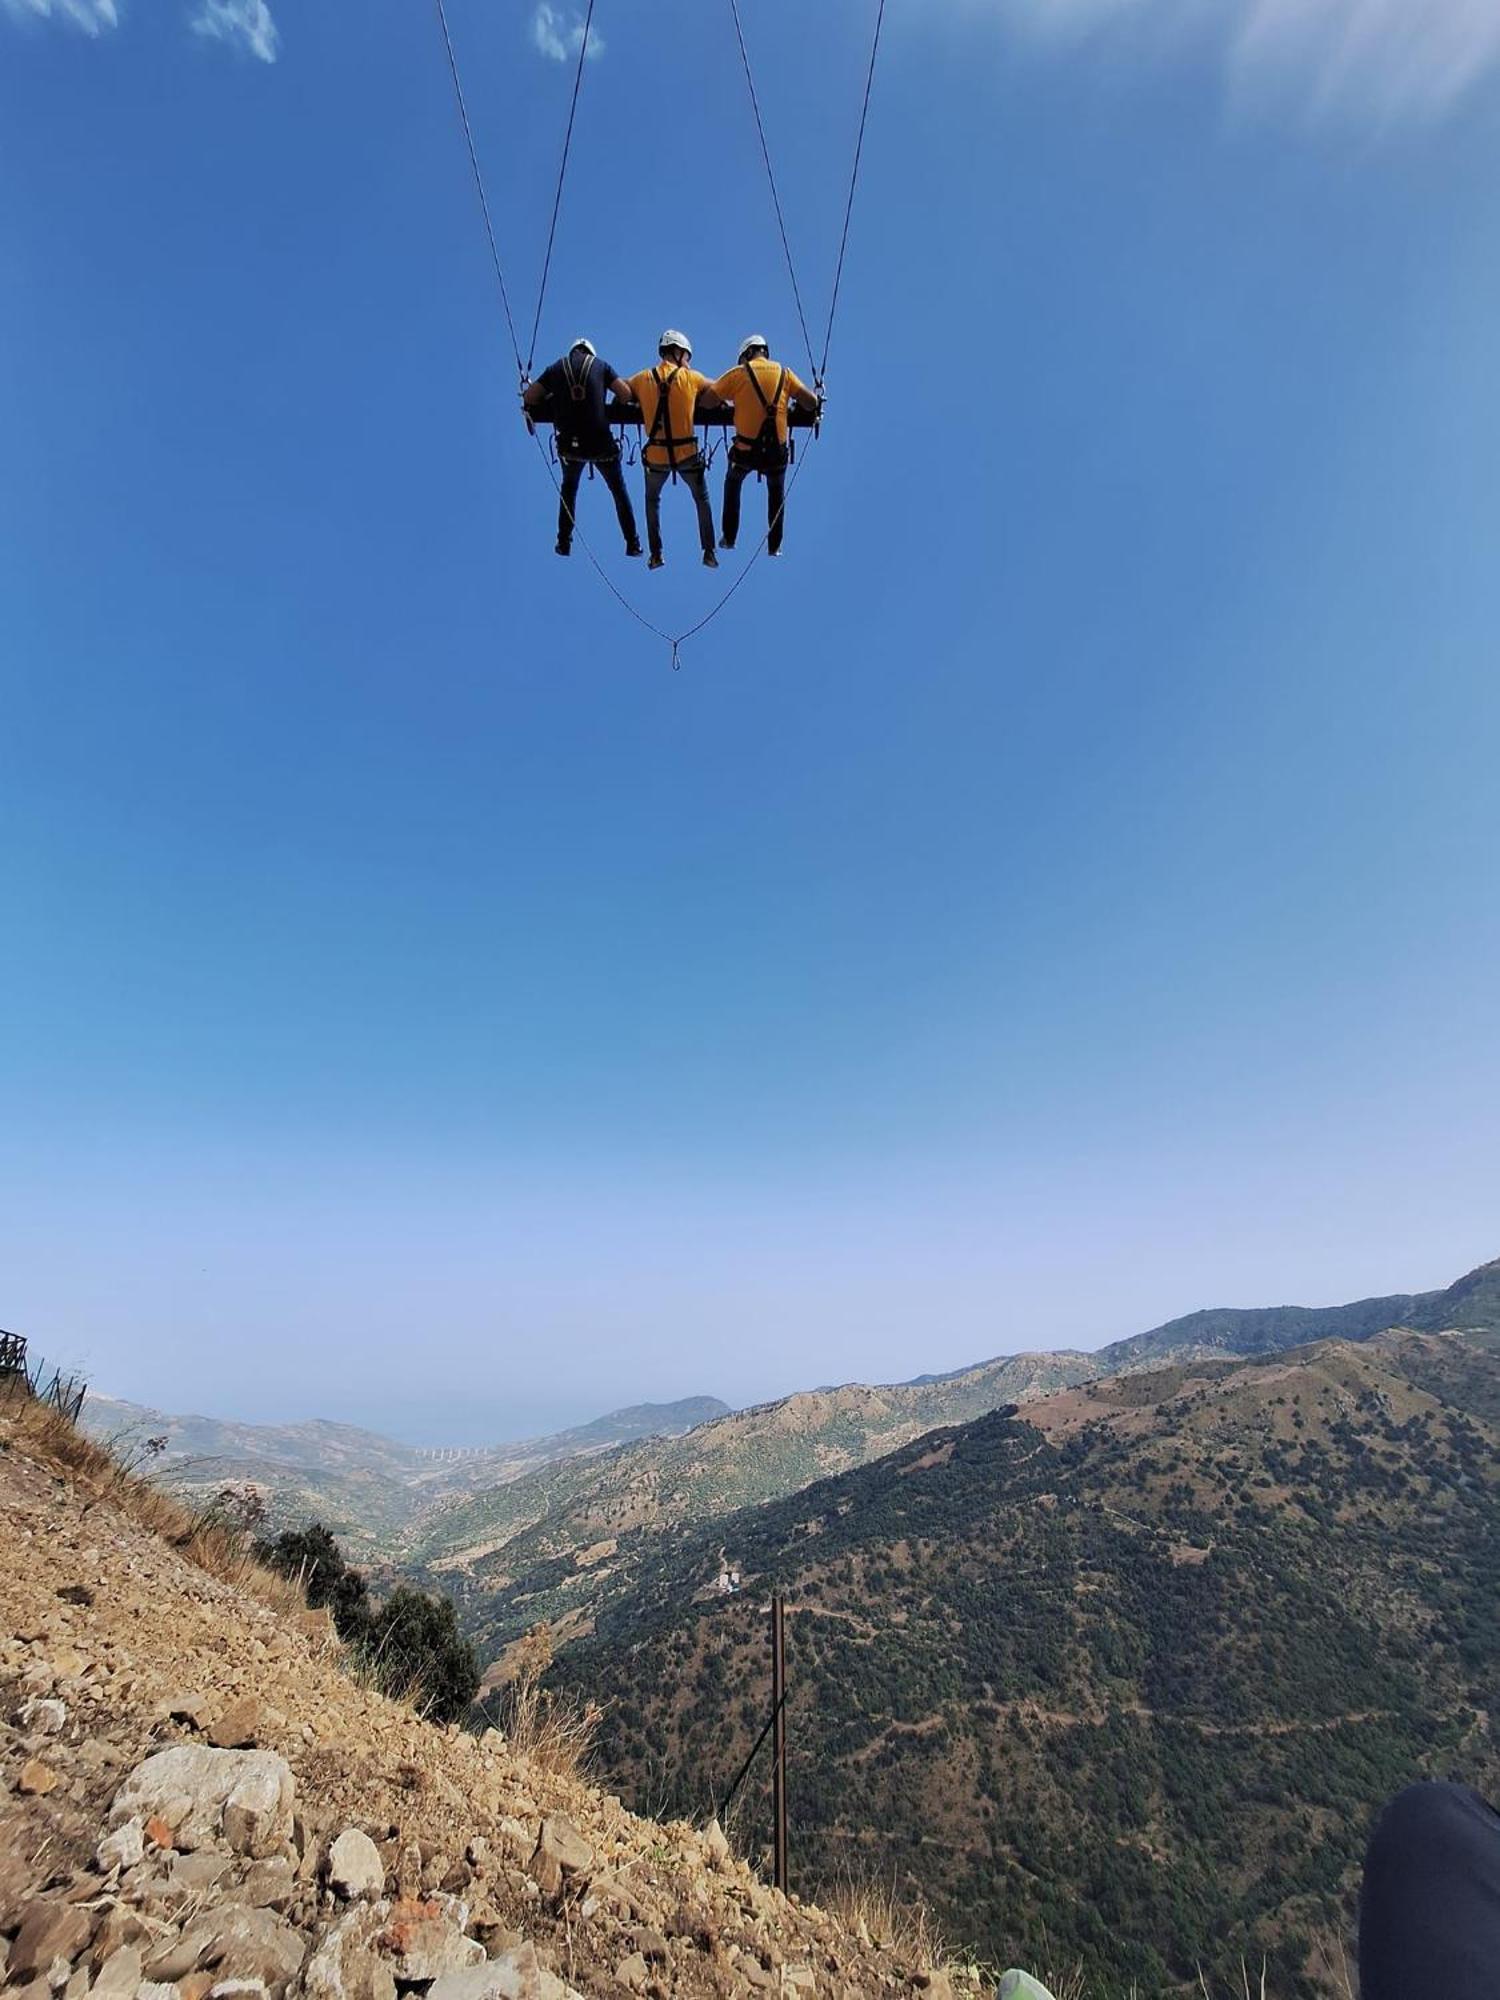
<point>683,387</point>
<point>749,410</point>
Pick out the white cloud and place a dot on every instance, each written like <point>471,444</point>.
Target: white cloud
<point>560,36</point>
<point>92,16</point>
<point>1382,58</point>
<point>243,24</point>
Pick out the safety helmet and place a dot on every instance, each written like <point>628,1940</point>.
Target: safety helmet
<point>587,346</point>
<point>673,338</point>
<point>751,342</point>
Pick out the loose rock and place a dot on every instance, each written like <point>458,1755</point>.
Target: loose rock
<point>355,1868</point>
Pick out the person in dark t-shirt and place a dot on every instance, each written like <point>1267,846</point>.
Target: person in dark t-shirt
<point>575,393</point>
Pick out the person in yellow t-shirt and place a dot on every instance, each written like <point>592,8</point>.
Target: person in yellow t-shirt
<point>760,390</point>
<point>669,395</point>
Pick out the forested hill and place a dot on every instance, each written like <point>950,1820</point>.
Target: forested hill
<point>1473,1302</point>
<point>549,1546</point>
<point>1119,1678</point>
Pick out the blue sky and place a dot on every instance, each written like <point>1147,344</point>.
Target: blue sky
<point>1058,895</point>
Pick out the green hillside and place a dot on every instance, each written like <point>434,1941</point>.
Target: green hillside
<point>562,1541</point>
<point>1119,1679</point>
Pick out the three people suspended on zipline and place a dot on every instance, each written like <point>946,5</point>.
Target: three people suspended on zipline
<point>577,392</point>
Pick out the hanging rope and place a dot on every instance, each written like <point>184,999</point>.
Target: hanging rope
<point>765,153</point>
<point>859,147</point>
<point>484,204</point>
<point>562,174</point>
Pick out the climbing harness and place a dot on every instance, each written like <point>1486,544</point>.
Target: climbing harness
<point>764,452</point>
<point>524,364</point>
<point>661,425</point>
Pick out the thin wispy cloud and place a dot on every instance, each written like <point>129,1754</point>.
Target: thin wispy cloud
<point>92,17</point>
<point>1385,59</point>
<point>245,25</point>
<point>559,35</point>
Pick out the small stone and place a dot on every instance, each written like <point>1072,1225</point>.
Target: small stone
<point>239,1727</point>
<point>51,1932</point>
<point>632,1973</point>
<point>189,1708</point>
<point>47,1718</point>
<point>515,1975</point>
<point>345,1965</point>
<point>119,1975</point>
<point>269,1885</point>
<point>561,1852</point>
<point>425,1939</point>
<point>124,1848</point>
<point>355,1868</point>
<point>37,1779</point>
<point>238,1989</point>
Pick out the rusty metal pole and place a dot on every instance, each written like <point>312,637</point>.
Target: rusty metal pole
<point>778,1738</point>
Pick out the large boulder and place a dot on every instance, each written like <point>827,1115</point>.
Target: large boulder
<point>244,1797</point>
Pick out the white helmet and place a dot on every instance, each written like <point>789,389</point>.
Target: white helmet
<point>749,344</point>
<point>587,346</point>
<point>673,338</point>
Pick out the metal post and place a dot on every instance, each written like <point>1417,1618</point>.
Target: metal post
<point>778,1739</point>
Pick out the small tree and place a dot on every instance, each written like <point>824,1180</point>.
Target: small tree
<point>311,1557</point>
<point>417,1648</point>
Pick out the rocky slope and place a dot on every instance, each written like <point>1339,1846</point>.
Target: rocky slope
<point>1120,1676</point>
<point>369,1489</point>
<point>198,1803</point>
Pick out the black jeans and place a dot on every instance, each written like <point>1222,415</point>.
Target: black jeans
<point>1429,1911</point>
<point>739,471</point>
<point>695,480</point>
<point>614,479</point>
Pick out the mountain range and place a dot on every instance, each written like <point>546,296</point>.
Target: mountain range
<point>1116,1678</point>
<point>370,1490</point>
<point>560,1543</point>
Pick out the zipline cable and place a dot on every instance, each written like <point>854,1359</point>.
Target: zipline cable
<point>765,153</point>
<point>859,147</point>
<point>484,203</point>
<point>562,174</point>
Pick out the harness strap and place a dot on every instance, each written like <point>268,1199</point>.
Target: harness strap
<point>769,432</point>
<point>661,421</point>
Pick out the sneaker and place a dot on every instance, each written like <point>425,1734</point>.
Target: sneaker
<point>634,549</point>
<point>657,562</point>
<point>725,542</point>
<point>565,548</point>
<point>710,560</point>
<point>773,552</point>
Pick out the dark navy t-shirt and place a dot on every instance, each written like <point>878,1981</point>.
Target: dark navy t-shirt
<point>578,395</point>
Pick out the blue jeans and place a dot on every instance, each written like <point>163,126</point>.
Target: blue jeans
<point>614,479</point>
<point>695,480</point>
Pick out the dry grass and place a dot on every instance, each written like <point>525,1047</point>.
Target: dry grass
<point>901,1925</point>
<point>207,1536</point>
<point>555,1732</point>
